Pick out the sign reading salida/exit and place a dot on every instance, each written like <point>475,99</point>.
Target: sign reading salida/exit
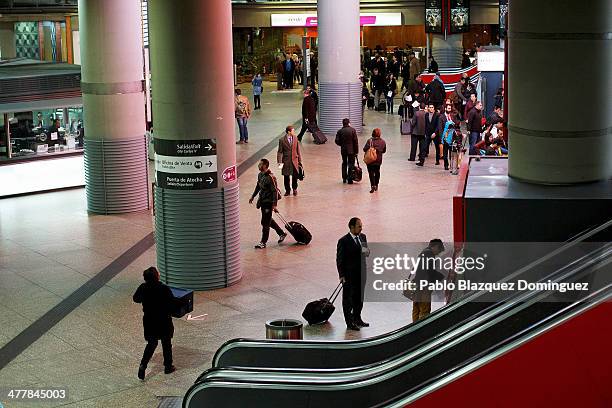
<point>186,164</point>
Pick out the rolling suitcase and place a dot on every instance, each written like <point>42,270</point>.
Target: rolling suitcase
<point>382,106</point>
<point>318,136</point>
<point>370,102</point>
<point>405,127</point>
<point>299,232</point>
<point>319,311</point>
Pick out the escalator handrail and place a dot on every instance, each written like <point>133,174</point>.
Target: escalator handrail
<point>516,340</point>
<point>402,331</point>
<point>402,364</point>
<point>500,307</point>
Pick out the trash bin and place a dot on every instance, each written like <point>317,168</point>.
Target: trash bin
<point>284,329</point>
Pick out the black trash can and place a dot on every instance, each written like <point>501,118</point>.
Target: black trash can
<point>284,329</point>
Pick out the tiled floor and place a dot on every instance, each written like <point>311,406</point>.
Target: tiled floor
<point>49,246</point>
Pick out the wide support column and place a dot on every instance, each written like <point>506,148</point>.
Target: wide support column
<point>113,99</point>
<point>339,64</point>
<point>560,110</point>
<point>197,226</point>
<point>447,52</point>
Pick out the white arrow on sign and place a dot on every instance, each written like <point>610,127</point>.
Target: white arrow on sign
<point>208,147</point>
<point>200,317</point>
<point>210,180</point>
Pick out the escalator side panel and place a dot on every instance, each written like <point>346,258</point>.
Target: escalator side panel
<point>568,365</point>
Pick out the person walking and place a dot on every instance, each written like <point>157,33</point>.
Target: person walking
<point>351,251</point>
<point>431,132</point>
<point>447,124</point>
<point>421,306</point>
<point>437,93</point>
<point>289,159</point>
<point>257,83</point>
<point>309,113</point>
<point>377,85</point>
<point>157,304</point>
<point>346,138</point>
<point>280,73</point>
<point>415,66</point>
<point>469,105</point>
<point>474,126</point>
<point>417,137</point>
<point>378,143</point>
<point>288,69</point>
<point>242,109</point>
<point>365,95</point>
<point>391,90</point>
<point>267,189</point>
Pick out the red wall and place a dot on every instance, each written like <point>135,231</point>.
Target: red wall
<point>568,366</point>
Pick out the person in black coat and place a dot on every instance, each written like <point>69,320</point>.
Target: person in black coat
<point>309,113</point>
<point>437,93</point>
<point>346,138</point>
<point>350,261</point>
<point>157,303</point>
<point>433,65</point>
<point>431,133</point>
<point>421,306</point>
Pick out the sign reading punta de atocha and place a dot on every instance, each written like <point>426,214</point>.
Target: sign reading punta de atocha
<point>186,164</point>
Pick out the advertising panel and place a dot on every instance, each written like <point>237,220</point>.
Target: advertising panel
<point>459,16</point>
<point>433,16</point>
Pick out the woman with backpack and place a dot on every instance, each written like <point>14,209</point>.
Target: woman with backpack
<point>374,150</point>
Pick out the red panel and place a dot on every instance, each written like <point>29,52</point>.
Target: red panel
<point>568,366</point>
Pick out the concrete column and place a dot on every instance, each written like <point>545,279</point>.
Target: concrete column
<point>196,198</point>
<point>560,121</point>
<point>447,52</point>
<point>339,64</point>
<point>113,99</point>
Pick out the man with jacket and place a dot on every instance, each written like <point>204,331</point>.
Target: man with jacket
<point>309,113</point>
<point>415,66</point>
<point>431,129</point>
<point>268,197</point>
<point>288,70</point>
<point>417,138</point>
<point>157,304</point>
<point>351,251</point>
<point>377,85</point>
<point>437,93</point>
<point>242,110</point>
<point>289,159</point>
<point>421,306</point>
<point>346,138</point>
<point>474,126</point>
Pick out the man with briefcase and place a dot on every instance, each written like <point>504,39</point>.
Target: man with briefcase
<point>351,252</point>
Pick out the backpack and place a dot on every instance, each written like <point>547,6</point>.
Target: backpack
<point>241,107</point>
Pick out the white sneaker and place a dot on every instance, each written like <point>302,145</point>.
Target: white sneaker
<point>281,238</point>
<point>261,245</point>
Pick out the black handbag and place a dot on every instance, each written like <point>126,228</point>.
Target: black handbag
<point>356,171</point>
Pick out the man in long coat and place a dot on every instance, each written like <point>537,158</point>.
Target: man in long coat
<point>289,159</point>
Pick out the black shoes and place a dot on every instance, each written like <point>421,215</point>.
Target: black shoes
<point>141,372</point>
<point>261,245</point>
<point>343,181</point>
<point>169,370</point>
<point>361,323</point>
<point>445,167</point>
<point>281,238</point>
<point>287,193</point>
<point>411,160</point>
<point>353,326</point>
<point>420,164</point>
<point>373,189</point>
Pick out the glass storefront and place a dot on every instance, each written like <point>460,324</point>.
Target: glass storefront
<point>42,132</point>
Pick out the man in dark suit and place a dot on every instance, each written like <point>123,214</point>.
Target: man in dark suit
<point>421,306</point>
<point>431,132</point>
<point>157,303</point>
<point>350,261</point>
<point>288,70</point>
<point>346,138</point>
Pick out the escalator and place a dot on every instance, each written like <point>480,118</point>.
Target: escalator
<point>406,377</point>
<point>346,354</point>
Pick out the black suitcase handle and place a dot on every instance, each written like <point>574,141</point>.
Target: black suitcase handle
<point>335,293</point>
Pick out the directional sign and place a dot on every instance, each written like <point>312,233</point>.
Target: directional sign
<point>186,164</point>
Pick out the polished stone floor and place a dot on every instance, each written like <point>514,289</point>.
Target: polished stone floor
<point>50,246</point>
